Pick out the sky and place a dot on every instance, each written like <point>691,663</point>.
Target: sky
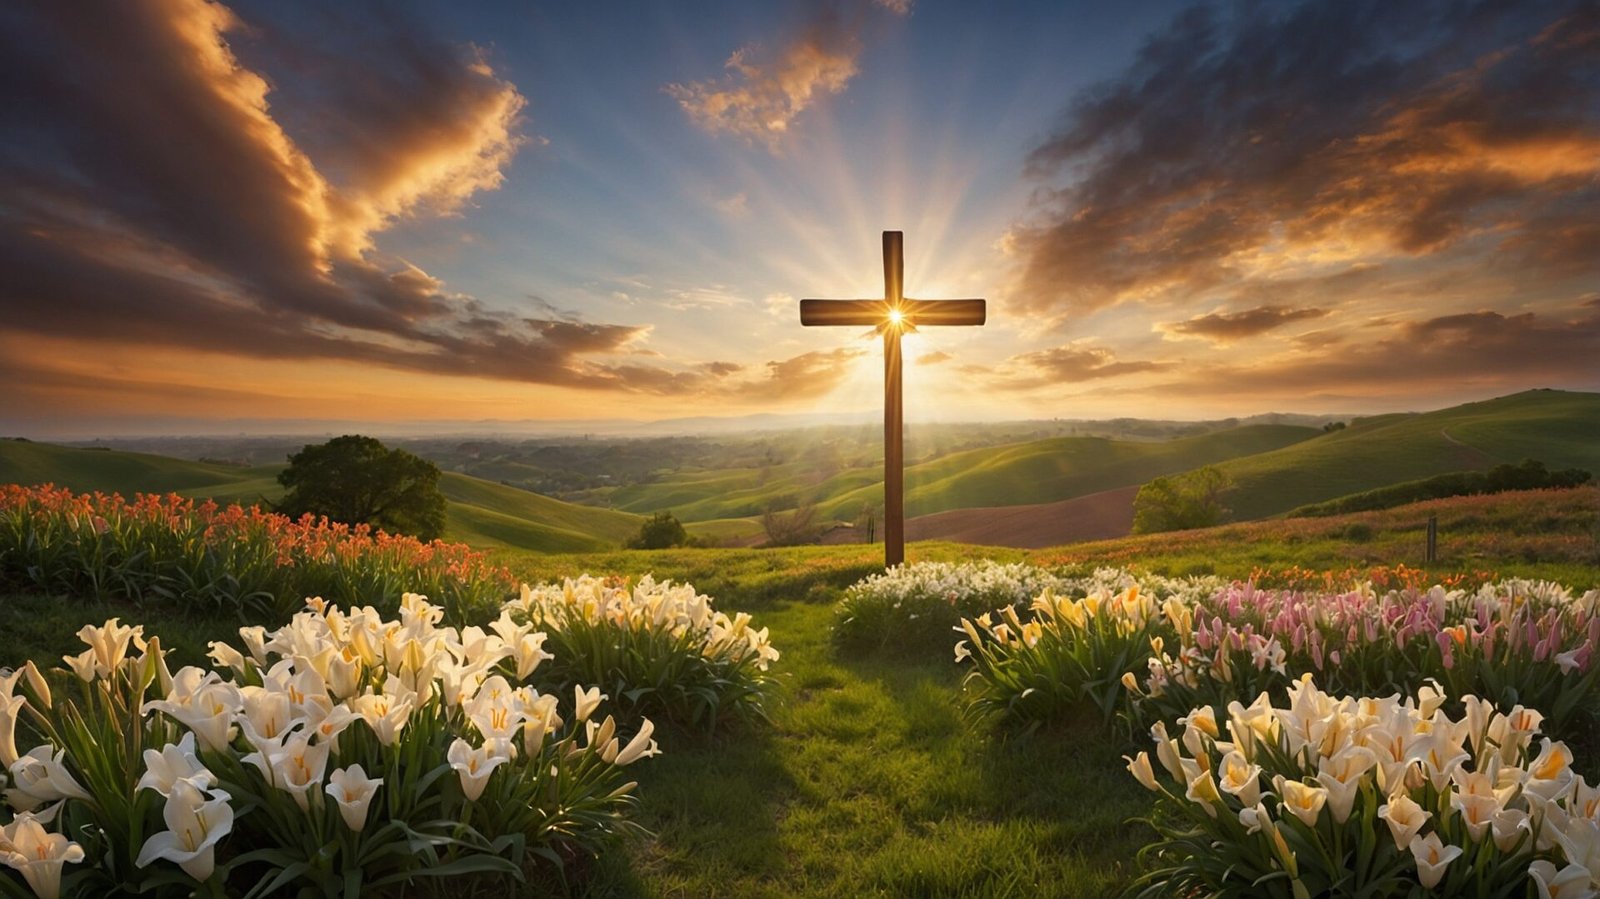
<point>279,211</point>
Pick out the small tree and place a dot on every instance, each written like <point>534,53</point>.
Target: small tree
<point>1181,502</point>
<point>795,527</point>
<point>661,531</point>
<point>357,480</point>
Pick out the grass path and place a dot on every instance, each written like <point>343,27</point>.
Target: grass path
<point>869,784</point>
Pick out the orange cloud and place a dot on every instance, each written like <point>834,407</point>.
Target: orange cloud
<point>761,97</point>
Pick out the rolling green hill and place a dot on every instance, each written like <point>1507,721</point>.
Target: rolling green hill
<point>480,513</point>
<point>1560,429</point>
<point>1033,472</point>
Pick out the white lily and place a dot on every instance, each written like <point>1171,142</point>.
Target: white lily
<point>586,701</point>
<point>42,775</point>
<point>1571,882</point>
<point>1404,817</point>
<point>542,718</point>
<point>194,826</point>
<point>474,766</point>
<point>38,854</point>
<point>1239,777</point>
<point>384,713</point>
<point>10,708</point>
<point>1432,858</point>
<point>1139,767</point>
<point>353,790</point>
<point>641,746</point>
<point>108,644</point>
<point>1304,801</point>
<point>172,763</point>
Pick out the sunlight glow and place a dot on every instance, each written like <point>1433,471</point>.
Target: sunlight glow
<point>896,318</point>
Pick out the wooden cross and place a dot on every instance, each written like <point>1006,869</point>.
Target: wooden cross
<point>893,315</point>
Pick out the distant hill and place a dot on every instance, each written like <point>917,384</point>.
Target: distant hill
<point>480,513</point>
<point>1559,428</point>
<point>1030,472</point>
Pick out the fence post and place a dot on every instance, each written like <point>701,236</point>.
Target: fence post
<point>1433,539</point>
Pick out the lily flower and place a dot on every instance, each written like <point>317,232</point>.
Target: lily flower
<point>641,746</point>
<point>474,766</point>
<point>353,791</point>
<point>586,701</point>
<point>172,763</point>
<point>1303,800</point>
<point>1139,767</point>
<point>1404,817</point>
<point>194,826</point>
<point>38,854</point>
<point>1571,882</point>
<point>1433,858</point>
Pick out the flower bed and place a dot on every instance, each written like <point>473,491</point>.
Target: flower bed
<point>343,753</point>
<point>914,607</point>
<point>200,555</point>
<point>1184,645</point>
<point>658,648</point>
<point>1366,796</point>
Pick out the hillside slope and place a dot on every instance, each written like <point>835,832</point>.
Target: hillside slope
<point>1013,474</point>
<point>1561,429</point>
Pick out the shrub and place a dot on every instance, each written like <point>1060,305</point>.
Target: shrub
<point>661,531</point>
<point>657,648</point>
<point>1181,502</point>
<point>201,556</point>
<point>1365,797</point>
<point>345,754</point>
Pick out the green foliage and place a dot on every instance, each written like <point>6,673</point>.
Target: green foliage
<point>1530,475</point>
<point>357,480</point>
<point>657,649</point>
<point>1182,502</point>
<point>661,531</point>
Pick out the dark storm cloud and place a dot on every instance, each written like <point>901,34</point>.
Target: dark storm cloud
<point>153,195</point>
<point>1416,130</point>
<point>1224,327</point>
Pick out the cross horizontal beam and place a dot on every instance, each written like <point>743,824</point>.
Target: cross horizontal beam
<point>917,313</point>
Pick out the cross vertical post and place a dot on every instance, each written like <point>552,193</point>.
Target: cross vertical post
<point>893,316</point>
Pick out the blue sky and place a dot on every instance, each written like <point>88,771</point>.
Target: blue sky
<point>280,210</point>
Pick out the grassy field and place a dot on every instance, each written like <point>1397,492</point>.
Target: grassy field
<point>867,783</point>
<point>481,513</point>
<point>1031,472</point>
<point>1557,428</point>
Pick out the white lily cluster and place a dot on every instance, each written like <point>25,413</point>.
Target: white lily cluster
<point>963,585</point>
<point>38,782</point>
<point>285,711</point>
<point>648,606</point>
<point>1447,787</point>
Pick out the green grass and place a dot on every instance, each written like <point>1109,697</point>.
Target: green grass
<point>1557,428</point>
<point>1031,472</point>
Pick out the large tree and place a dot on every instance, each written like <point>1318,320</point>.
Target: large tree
<point>358,480</point>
